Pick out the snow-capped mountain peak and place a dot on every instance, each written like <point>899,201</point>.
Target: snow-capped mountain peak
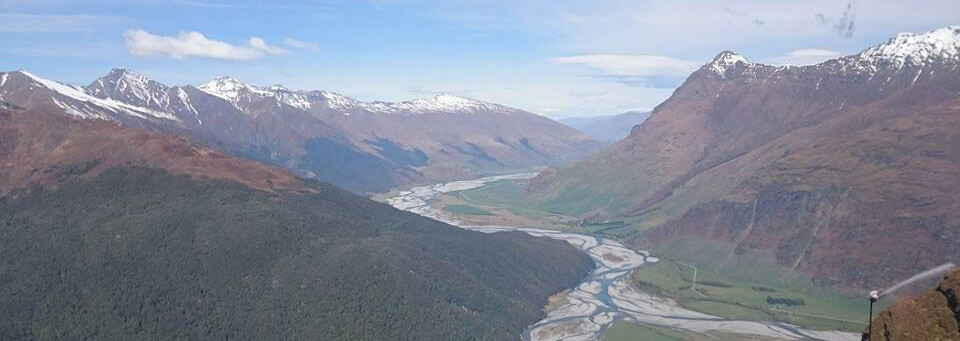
<point>940,45</point>
<point>231,89</point>
<point>296,99</point>
<point>234,90</point>
<point>442,103</point>
<point>128,86</point>
<point>130,77</point>
<point>448,99</point>
<point>334,100</point>
<point>726,59</point>
<point>77,102</point>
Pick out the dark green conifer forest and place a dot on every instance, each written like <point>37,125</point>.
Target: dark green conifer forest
<point>140,254</point>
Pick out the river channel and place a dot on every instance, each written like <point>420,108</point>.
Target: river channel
<point>605,295</point>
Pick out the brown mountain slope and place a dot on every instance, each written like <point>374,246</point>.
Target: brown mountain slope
<point>934,316</point>
<point>46,149</point>
<point>457,146</point>
<point>443,137</point>
<point>424,140</point>
<point>830,166</point>
<point>266,129</point>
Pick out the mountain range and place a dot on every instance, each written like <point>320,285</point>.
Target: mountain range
<point>847,170</point>
<point>607,128</point>
<point>317,134</point>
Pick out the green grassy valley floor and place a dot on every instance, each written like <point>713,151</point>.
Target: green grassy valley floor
<point>500,203</point>
<point>466,209</point>
<point>727,285</point>
<point>623,331</point>
<point>749,287</point>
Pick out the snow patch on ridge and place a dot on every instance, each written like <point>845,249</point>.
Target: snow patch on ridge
<point>293,99</point>
<point>185,99</point>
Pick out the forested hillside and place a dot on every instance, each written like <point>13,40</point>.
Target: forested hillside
<point>123,249</point>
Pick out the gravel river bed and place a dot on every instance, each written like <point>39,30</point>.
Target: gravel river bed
<point>605,295</point>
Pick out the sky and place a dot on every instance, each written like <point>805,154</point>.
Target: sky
<point>557,58</point>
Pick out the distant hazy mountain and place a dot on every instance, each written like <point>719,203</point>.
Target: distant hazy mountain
<point>607,128</point>
<point>847,170</point>
<point>117,233</point>
<point>318,134</point>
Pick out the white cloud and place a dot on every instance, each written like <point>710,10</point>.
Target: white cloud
<point>805,57</point>
<point>260,45</point>
<point>143,44</point>
<point>301,44</point>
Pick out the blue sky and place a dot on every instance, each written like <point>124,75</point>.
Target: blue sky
<point>553,57</point>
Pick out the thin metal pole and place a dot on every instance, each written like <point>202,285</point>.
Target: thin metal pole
<point>870,322</point>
